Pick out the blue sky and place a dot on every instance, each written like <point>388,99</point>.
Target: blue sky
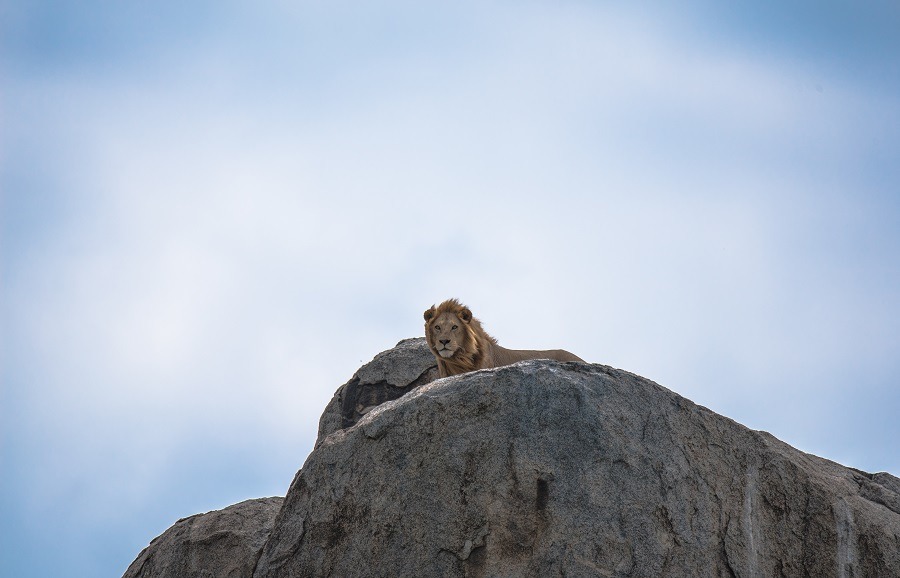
<point>214,212</point>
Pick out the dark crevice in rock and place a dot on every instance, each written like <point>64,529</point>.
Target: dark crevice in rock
<point>358,398</point>
<point>542,494</point>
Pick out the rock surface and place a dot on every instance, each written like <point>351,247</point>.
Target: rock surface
<point>540,469</point>
<point>548,469</point>
<point>387,377</point>
<point>224,543</point>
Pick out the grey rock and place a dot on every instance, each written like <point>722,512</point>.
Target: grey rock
<point>568,469</point>
<point>540,469</point>
<point>223,544</point>
<point>388,376</point>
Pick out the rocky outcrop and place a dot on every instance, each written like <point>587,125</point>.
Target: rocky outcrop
<point>224,543</point>
<point>387,377</point>
<point>563,469</point>
<point>549,469</point>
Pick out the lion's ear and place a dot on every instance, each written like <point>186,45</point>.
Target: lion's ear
<point>429,314</point>
<point>465,314</point>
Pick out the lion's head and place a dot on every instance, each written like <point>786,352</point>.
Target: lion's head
<point>445,328</point>
<point>455,337</point>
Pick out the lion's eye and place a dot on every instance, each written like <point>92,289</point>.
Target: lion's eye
<point>437,327</point>
<point>454,328</point>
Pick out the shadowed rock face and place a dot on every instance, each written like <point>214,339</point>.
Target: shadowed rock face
<point>550,469</point>
<point>224,543</point>
<point>387,377</point>
<point>541,469</point>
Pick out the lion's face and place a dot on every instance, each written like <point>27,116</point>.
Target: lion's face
<point>446,331</point>
<point>447,334</point>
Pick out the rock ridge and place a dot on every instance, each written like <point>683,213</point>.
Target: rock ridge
<point>545,468</point>
<point>224,543</point>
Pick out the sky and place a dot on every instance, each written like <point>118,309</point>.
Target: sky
<point>212,213</point>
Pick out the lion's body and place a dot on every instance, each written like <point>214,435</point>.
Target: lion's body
<point>460,344</point>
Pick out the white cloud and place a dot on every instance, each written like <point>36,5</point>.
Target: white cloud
<point>208,217</point>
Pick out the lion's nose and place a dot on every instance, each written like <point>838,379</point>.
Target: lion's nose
<point>444,341</point>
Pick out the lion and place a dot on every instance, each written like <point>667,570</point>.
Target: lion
<point>460,345</point>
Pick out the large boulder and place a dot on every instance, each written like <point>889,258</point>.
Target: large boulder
<point>568,469</point>
<point>540,469</point>
<point>222,544</point>
<point>388,376</point>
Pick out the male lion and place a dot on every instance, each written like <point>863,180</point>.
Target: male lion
<point>460,344</point>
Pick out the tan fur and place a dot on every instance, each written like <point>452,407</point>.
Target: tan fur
<point>450,328</point>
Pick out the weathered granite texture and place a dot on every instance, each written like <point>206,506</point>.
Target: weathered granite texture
<point>549,469</point>
<point>223,544</point>
<point>390,375</point>
<point>541,469</point>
